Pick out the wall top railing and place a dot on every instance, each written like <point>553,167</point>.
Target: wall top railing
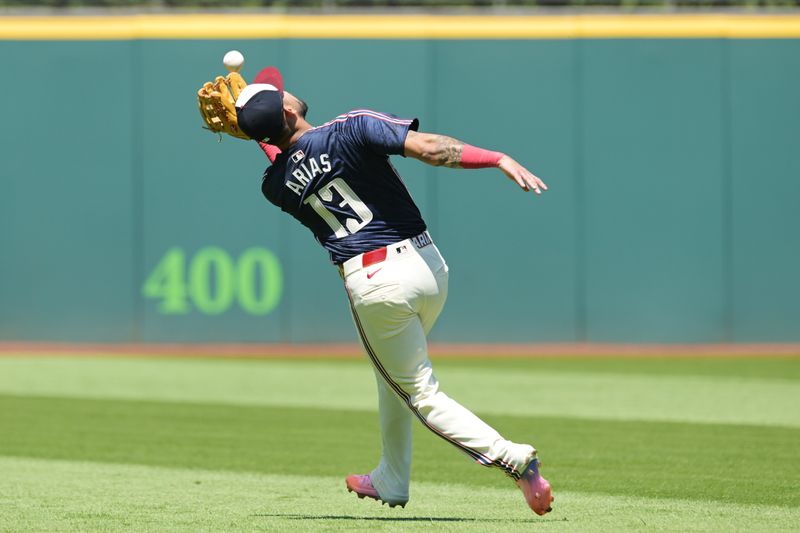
<point>406,26</point>
<point>625,5</point>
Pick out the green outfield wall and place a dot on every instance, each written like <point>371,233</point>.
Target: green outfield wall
<point>673,212</point>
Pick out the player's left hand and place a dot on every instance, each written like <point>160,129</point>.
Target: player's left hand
<point>217,104</point>
<point>521,175</point>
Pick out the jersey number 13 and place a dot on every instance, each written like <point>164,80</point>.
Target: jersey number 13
<point>349,198</point>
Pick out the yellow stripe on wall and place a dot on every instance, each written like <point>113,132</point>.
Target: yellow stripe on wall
<point>262,26</point>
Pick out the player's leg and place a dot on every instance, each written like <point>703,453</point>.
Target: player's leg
<point>392,476</point>
<point>388,316</point>
<point>534,487</point>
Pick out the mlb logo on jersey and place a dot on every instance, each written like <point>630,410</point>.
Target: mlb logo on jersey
<point>298,156</point>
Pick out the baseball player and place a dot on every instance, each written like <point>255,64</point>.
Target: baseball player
<point>336,179</point>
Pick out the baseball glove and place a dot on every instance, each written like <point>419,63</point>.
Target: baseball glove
<point>217,104</point>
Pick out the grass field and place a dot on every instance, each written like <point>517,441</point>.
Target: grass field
<point>161,444</point>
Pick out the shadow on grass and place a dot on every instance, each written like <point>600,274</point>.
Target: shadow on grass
<point>291,516</point>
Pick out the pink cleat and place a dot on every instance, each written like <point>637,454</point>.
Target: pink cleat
<point>536,489</point>
<point>362,486</point>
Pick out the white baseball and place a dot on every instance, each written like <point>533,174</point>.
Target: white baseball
<point>233,60</point>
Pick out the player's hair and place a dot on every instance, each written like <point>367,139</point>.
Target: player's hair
<point>303,107</point>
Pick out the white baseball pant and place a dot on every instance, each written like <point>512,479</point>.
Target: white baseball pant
<point>395,303</point>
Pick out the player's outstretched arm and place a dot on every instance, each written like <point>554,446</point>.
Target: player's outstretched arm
<point>440,150</point>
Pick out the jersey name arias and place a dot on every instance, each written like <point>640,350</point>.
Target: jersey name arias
<point>338,182</point>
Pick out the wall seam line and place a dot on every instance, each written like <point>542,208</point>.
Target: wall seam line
<point>137,192</point>
<point>581,300</point>
<point>727,195</point>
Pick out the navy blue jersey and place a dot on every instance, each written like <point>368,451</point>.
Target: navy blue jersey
<point>337,181</point>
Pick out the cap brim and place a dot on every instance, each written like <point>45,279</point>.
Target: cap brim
<point>270,76</point>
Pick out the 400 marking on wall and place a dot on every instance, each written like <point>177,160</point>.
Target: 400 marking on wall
<point>211,280</point>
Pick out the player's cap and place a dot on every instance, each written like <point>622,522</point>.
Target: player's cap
<point>259,108</point>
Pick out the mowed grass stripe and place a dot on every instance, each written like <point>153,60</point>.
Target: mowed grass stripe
<point>46,495</point>
<point>530,388</point>
<point>779,367</point>
<point>784,367</point>
<point>735,464</point>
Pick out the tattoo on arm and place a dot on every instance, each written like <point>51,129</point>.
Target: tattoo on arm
<point>433,149</point>
<point>448,151</point>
